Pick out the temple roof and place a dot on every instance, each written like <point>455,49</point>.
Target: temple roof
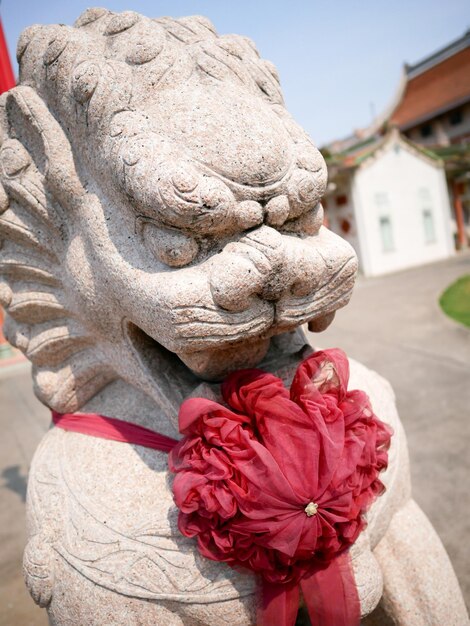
<point>435,90</point>
<point>434,85</point>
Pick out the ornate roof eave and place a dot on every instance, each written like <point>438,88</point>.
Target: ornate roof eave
<point>347,163</point>
<point>437,57</point>
<point>434,113</point>
<point>456,158</point>
<point>394,136</point>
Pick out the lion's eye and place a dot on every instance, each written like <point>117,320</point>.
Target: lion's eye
<point>171,247</point>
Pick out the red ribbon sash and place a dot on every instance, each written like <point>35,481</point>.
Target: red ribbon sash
<point>113,429</point>
<point>330,596</point>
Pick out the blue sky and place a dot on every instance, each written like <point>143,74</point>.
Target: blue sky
<point>339,60</point>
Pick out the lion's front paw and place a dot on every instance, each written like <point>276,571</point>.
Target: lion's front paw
<point>38,569</point>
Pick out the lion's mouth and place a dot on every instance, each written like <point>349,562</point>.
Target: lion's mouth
<point>212,328</point>
<point>211,347</point>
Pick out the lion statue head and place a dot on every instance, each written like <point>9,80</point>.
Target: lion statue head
<point>156,199</point>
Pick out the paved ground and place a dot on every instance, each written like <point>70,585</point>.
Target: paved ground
<point>394,325</point>
<point>23,421</point>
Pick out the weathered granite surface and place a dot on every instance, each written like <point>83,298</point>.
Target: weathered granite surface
<point>161,226</point>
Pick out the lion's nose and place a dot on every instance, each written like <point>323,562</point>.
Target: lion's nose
<point>262,264</point>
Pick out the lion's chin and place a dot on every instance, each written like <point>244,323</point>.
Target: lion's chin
<point>215,364</point>
<point>211,364</point>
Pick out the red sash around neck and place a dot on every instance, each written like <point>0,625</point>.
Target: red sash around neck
<point>277,481</point>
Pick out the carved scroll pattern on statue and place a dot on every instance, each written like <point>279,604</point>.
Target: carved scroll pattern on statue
<point>45,512</point>
<point>150,561</point>
<point>34,236</point>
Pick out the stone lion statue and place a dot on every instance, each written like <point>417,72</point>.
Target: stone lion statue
<point>161,226</point>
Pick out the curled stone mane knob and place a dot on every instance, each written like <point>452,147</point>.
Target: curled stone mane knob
<point>121,22</point>
<point>85,80</point>
<point>89,16</point>
<point>14,158</point>
<point>57,45</point>
<point>145,50</point>
<point>6,294</point>
<point>25,39</point>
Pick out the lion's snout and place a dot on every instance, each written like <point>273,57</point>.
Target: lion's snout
<point>264,264</point>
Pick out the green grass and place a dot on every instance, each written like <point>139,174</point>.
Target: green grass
<point>455,301</point>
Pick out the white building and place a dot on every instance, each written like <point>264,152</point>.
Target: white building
<point>431,107</point>
<point>389,199</point>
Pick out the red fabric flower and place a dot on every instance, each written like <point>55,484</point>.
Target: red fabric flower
<point>278,483</point>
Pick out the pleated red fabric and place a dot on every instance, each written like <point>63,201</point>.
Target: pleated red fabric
<point>277,481</point>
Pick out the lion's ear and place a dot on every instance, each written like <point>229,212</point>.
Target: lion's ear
<point>33,125</point>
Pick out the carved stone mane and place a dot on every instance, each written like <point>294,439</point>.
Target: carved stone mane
<point>156,197</point>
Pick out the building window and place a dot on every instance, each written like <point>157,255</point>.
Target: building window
<point>428,223</point>
<point>385,222</point>
<point>426,130</point>
<point>425,201</point>
<point>455,117</point>
<point>386,233</point>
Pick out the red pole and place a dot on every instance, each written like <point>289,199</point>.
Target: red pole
<point>7,78</point>
<point>7,81</point>
<point>461,234</point>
